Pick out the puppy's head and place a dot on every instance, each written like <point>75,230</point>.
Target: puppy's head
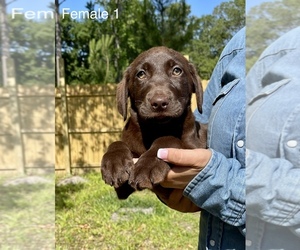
<point>159,83</point>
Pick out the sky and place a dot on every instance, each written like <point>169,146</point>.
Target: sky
<point>198,7</point>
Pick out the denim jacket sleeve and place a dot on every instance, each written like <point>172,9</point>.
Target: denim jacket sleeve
<point>273,192</point>
<point>220,189</point>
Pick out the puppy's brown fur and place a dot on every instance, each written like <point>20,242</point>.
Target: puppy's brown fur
<point>159,84</point>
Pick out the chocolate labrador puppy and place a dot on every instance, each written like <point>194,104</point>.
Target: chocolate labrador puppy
<point>159,84</point>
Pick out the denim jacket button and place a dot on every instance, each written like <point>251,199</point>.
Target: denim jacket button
<point>292,143</point>
<point>240,143</point>
<point>248,243</point>
<point>212,242</point>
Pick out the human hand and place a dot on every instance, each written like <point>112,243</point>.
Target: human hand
<point>187,164</point>
<point>176,200</point>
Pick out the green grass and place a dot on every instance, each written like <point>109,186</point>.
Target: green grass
<point>27,216</point>
<point>89,216</point>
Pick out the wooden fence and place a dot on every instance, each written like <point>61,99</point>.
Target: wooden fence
<point>87,121</point>
<point>27,129</point>
<point>66,129</point>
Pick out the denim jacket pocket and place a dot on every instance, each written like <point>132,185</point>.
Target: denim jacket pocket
<point>226,89</point>
<point>269,89</point>
<point>228,108</point>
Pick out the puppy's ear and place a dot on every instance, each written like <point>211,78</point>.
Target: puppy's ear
<point>122,94</point>
<point>197,86</point>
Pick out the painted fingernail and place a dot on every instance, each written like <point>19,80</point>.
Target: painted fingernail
<point>162,153</point>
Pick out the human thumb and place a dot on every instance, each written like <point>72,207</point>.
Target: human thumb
<point>185,157</point>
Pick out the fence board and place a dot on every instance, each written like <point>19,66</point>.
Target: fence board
<point>92,124</point>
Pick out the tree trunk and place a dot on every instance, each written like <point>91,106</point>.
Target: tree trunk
<point>117,45</point>
<point>4,41</point>
<point>57,43</point>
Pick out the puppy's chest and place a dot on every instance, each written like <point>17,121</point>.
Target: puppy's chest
<point>140,135</point>
<point>149,135</point>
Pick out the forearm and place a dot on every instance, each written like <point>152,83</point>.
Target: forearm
<point>220,189</point>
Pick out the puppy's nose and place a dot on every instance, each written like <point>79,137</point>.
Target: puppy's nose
<point>159,103</point>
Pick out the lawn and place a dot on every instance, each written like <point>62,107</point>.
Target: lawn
<point>27,215</point>
<point>89,216</point>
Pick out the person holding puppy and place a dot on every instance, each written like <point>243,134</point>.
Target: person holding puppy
<point>213,179</point>
<point>215,182</point>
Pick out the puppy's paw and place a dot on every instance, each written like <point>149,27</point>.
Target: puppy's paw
<point>148,172</point>
<point>116,164</point>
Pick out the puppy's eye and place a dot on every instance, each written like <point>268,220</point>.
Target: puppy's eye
<point>176,71</point>
<point>141,74</point>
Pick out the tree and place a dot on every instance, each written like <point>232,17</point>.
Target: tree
<point>32,49</point>
<point>4,40</point>
<point>266,22</point>
<point>99,59</point>
<point>55,7</point>
<point>212,34</point>
<point>178,26</point>
<point>76,36</point>
<point>140,25</point>
<point>134,31</point>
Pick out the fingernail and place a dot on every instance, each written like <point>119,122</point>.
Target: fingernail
<point>162,153</point>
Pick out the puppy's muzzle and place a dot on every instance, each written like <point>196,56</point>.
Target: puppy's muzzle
<point>159,103</point>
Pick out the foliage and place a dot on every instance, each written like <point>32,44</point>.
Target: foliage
<point>141,25</point>
<point>212,34</point>
<point>32,48</point>
<point>99,59</point>
<point>266,22</point>
<point>89,216</point>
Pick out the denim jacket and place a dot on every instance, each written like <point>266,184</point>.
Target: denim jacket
<point>219,189</point>
<point>273,147</point>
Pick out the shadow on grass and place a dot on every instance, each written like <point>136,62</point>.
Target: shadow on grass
<point>18,196</point>
<point>63,195</point>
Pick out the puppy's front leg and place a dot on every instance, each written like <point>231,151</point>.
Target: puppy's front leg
<point>116,165</point>
<point>149,170</point>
